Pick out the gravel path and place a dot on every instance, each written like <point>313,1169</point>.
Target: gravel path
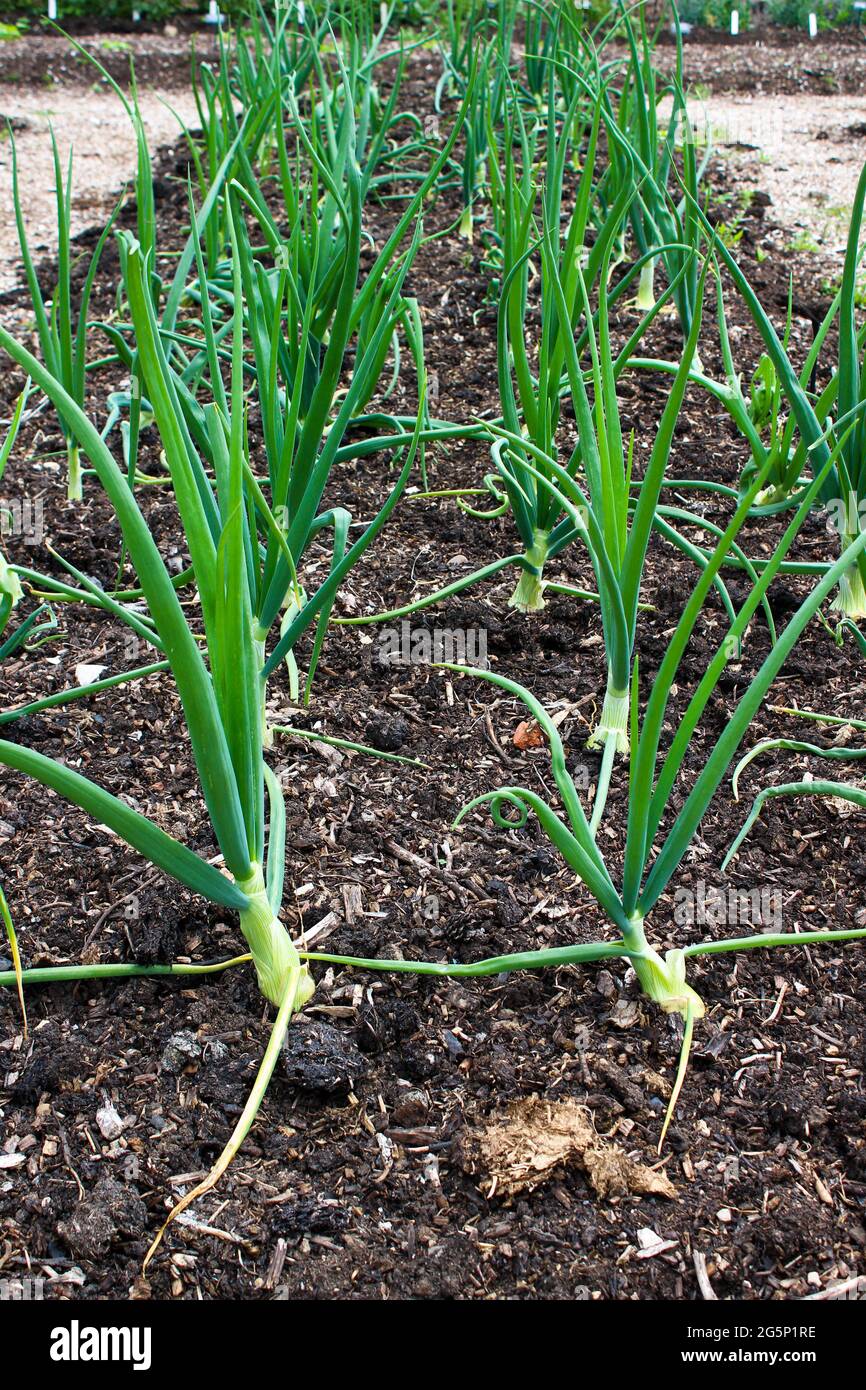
<point>806,152</point>
<point>97,128</point>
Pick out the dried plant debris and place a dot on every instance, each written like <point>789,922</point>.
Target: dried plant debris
<point>537,1138</point>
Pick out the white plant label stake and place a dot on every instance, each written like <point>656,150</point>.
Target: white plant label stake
<point>213,14</point>
<point>52,9</point>
<point>813,26</point>
<point>735,22</point>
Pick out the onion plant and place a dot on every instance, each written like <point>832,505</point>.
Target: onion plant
<point>300,446</point>
<point>572,266</point>
<point>167,298</point>
<point>756,408</point>
<point>756,404</point>
<point>301,313</point>
<point>62,335</point>
<point>387,133</point>
<point>657,218</point>
<point>489,100</point>
<point>591,496</point>
<point>270,53</point>
<point>334,86</point>
<point>41,623</point>
<point>571,270</point>
<point>653,851</point>
<point>216,665</point>
<point>463,24</point>
<point>832,425</point>
<point>545,37</point>
<point>285,41</point>
<point>648,868</point>
<point>220,697</point>
<point>342,157</point>
<point>324,191</point>
<point>819,421</point>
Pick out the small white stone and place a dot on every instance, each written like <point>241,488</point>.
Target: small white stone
<point>86,675</point>
<point>109,1122</point>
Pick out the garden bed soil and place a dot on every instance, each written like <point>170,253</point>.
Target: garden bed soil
<point>361,1178</point>
<point>162,56</point>
<point>763,60</point>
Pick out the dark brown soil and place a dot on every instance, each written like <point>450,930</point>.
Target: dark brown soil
<point>353,1183</point>
<point>767,59</point>
<point>161,56</point>
<point>773,60</point>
